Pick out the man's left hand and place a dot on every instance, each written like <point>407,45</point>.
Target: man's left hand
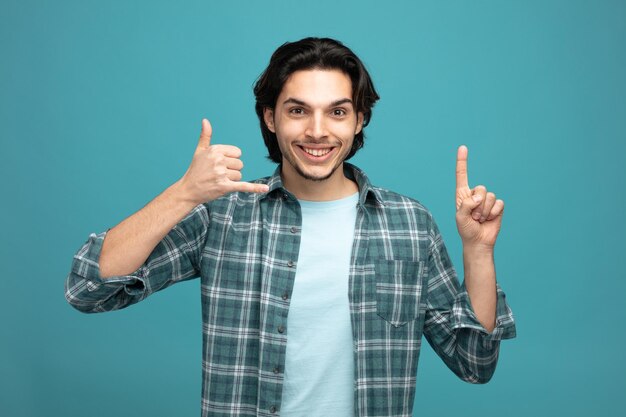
<point>478,212</point>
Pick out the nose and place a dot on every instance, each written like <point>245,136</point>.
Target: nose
<point>316,127</point>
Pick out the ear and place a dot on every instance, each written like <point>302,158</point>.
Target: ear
<point>268,117</point>
<point>359,123</point>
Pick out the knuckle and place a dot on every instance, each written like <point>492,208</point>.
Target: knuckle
<point>220,187</point>
<point>213,158</point>
<point>220,172</point>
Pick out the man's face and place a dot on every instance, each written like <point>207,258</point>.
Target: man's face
<point>315,122</point>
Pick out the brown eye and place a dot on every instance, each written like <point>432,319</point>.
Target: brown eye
<point>339,112</point>
<point>296,111</point>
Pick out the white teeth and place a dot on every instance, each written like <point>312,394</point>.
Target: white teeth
<point>316,152</point>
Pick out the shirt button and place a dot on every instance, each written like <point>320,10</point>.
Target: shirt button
<point>273,409</point>
<point>285,296</point>
<point>294,229</point>
<point>281,329</point>
<point>290,264</point>
<point>276,370</point>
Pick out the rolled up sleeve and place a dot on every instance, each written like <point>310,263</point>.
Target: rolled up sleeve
<point>176,258</point>
<point>463,316</point>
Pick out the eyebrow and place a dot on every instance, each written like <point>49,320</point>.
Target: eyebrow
<point>335,103</point>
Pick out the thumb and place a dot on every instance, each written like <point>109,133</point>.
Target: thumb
<point>470,203</point>
<point>205,135</point>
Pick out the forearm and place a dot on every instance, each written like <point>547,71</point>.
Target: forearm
<point>480,282</point>
<point>127,246</point>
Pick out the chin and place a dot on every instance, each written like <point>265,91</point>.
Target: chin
<point>316,175</point>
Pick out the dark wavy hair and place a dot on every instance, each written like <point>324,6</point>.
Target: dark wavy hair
<point>306,54</point>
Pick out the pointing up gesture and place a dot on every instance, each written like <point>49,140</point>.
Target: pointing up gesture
<point>215,170</point>
<point>478,212</point>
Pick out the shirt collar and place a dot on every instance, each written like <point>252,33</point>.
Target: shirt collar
<point>366,191</point>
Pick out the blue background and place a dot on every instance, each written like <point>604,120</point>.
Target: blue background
<point>100,111</point>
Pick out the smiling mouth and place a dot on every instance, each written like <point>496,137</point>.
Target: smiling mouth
<point>316,151</point>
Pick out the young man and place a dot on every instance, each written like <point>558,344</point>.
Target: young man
<point>316,285</point>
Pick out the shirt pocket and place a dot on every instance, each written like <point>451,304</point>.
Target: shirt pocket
<point>399,290</point>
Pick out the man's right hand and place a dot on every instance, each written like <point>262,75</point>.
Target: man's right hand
<point>214,171</point>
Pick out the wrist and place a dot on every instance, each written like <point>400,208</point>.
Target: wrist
<point>478,250</point>
<point>180,194</point>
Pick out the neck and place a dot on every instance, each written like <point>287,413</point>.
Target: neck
<point>335,187</point>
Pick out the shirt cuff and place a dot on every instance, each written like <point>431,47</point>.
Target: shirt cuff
<point>463,316</point>
<point>86,265</point>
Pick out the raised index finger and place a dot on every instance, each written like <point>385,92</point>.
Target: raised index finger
<point>461,167</point>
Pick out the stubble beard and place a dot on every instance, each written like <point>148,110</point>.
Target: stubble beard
<point>291,160</point>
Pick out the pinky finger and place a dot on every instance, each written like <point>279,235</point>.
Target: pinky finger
<point>249,187</point>
<point>496,210</point>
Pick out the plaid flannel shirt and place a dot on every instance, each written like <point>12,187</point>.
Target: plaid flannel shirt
<point>244,247</point>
